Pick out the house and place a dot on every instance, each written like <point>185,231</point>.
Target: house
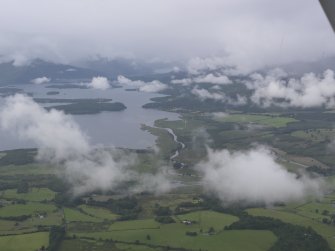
<point>187,222</point>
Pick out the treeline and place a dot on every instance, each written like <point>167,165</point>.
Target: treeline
<point>16,218</point>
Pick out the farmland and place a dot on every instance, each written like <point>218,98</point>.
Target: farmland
<point>34,199</point>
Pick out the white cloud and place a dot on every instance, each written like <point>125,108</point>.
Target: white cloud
<point>41,80</point>
<point>153,86</point>
<point>309,91</point>
<point>99,83</point>
<point>253,177</point>
<point>61,143</point>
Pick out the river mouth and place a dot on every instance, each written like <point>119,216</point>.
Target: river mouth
<point>109,129</point>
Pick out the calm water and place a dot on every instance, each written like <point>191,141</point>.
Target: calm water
<point>120,129</point>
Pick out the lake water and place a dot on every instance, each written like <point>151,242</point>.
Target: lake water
<point>120,129</point>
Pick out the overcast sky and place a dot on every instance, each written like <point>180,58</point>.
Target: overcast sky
<point>248,33</point>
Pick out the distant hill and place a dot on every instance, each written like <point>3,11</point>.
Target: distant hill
<point>10,74</point>
<point>127,67</point>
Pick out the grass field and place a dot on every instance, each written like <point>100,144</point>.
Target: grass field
<point>174,235</point>
<point>73,215</point>
<point>29,169</point>
<point>265,120</point>
<point>129,247</point>
<point>99,212</point>
<point>35,194</point>
<point>207,219</point>
<point>134,225</point>
<point>26,209</point>
<point>7,226</point>
<point>25,242</point>
<point>85,245</point>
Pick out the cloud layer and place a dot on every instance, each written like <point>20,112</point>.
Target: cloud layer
<point>253,177</point>
<point>250,34</point>
<point>61,143</point>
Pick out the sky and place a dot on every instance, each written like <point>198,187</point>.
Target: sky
<point>246,33</point>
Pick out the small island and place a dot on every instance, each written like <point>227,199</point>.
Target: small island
<point>90,107</point>
<point>83,106</point>
<point>52,93</point>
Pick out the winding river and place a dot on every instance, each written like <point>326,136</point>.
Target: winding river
<point>180,144</point>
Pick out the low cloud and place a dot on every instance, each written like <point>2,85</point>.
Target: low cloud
<point>204,94</point>
<point>153,86</point>
<point>198,65</point>
<point>215,79</point>
<point>99,83</point>
<point>61,143</point>
<point>253,177</point>
<point>183,82</point>
<point>307,92</point>
<point>41,80</point>
<point>219,115</point>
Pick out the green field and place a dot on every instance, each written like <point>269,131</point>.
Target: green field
<point>35,194</point>
<point>174,235</point>
<point>26,209</point>
<point>29,169</point>
<point>207,219</point>
<point>98,212</point>
<point>265,120</point>
<point>24,242</point>
<point>74,215</point>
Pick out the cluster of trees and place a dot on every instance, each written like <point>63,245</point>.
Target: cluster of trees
<point>165,219</point>
<point>162,211</point>
<point>23,187</point>
<point>127,207</point>
<point>163,215</point>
